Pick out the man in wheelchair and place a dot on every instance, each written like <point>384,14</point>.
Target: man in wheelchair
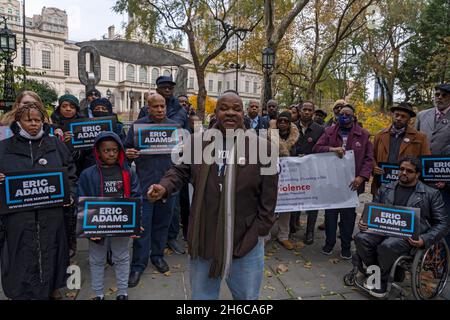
<point>408,191</point>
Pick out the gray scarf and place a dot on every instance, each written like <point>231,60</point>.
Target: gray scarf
<point>28,136</point>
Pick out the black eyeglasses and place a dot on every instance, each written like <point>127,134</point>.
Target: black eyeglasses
<point>283,120</point>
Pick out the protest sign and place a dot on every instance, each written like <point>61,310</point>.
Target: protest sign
<point>86,130</point>
<point>5,132</point>
<point>400,222</point>
<point>317,181</point>
<point>156,138</point>
<point>390,172</point>
<point>108,217</point>
<point>435,168</point>
<point>33,189</point>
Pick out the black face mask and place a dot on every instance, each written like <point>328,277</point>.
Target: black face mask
<point>99,114</point>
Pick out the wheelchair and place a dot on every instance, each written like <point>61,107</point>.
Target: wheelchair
<point>429,269</point>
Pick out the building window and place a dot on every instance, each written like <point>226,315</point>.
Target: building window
<point>228,85</point>
<point>219,86</point>
<point>167,73</point>
<point>27,57</point>
<point>191,83</point>
<point>235,85</point>
<point>155,75</point>
<point>10,11</point>
<point>112,73</point>
<point>211,85</point>
<point>255,87</point>
<point>67,68</point>
<point>130,73</point>
<point>143,75</point>
<point>247,86</point>
<point>46,59</point>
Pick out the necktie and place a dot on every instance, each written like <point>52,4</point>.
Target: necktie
<point>439,116</point>
<point>254,123</point>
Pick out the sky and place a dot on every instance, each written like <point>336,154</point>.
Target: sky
<point>88,19</point>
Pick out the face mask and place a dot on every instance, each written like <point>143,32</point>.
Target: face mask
<point>319,121</point>
<point>99,114</point>
<point>345,120</point>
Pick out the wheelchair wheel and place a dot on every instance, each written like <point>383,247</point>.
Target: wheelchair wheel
<point>349,279</point>
<point>430,270</point>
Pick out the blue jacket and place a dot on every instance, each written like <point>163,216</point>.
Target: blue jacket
<point>90,183</point>
<point>175,112</point>
<point>150,168</point>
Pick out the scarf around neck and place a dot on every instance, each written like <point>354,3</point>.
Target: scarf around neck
<point>397,132</point>
<point>224,235</point>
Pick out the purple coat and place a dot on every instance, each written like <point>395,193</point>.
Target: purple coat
<point>358,141</point>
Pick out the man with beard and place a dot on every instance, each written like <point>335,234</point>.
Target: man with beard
<point>408,191</point>
<point>397,141</point>
<point>435,123</point>
<point>232,209</point>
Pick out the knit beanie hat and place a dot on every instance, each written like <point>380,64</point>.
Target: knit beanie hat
<point>102,102</point>
<point>70,98</point>
<point>285,114</point>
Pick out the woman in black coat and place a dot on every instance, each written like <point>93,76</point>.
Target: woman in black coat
<point>34,255</point>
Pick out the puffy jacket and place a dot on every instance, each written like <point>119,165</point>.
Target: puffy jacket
<point>433,219</point>
<point>90,183</point>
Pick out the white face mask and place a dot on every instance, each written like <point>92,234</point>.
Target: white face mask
<point>28,136</point>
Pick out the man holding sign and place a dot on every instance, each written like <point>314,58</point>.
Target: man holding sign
<point>156,217</point>
<point>397,141</point>
<point>382,250</point>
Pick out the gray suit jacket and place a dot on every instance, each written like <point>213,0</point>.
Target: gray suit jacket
<point>438,135</point>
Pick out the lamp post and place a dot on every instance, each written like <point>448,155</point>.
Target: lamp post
<point>108,94</point>
<point>268,63</point>
<point>131,95</point>
<point>237,66</point>
<point>8,46</point>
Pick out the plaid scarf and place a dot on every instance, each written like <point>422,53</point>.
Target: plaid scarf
<point>397,132</point>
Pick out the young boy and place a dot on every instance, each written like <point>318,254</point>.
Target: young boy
<point>110,177</point>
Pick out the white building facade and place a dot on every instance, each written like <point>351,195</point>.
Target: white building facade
<point>52,58</point>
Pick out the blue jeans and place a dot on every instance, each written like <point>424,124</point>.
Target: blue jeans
<point>174,228</point>
<point>244,281</point>
<point>346,225</point>
<point>156,218</point>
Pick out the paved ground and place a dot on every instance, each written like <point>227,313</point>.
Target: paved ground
<point>303,273</point>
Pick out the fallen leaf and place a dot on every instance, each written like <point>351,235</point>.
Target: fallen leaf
<point>269,297</point>
<point>177,266</point>
<point>282,268</point>
<point>155,272</point>
<point>323,287</point>
<point>299,298</point>
<point>267,273</point>
<point>308,265</point>
<point>299,245</point>
<point>271,288</point>
<point>322,276</point>
<point>71,294</point>
<point>167,274</point>
<point>298,261</point>
<point>334,261</point>
<point>269,254</point>
<point>113,290</point>
<point>297,253</point>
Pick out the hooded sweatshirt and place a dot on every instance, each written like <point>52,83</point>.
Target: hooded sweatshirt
<point>92,180</point>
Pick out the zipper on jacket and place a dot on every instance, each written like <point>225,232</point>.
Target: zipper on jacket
<point>31,153</point>
<point>38,227</point>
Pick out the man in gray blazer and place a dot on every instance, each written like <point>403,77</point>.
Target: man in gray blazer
<point>435,123</point>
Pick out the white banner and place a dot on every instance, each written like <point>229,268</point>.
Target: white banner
<point>317,181</point>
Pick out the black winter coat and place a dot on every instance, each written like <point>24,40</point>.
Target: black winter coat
<point>34,257</point>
